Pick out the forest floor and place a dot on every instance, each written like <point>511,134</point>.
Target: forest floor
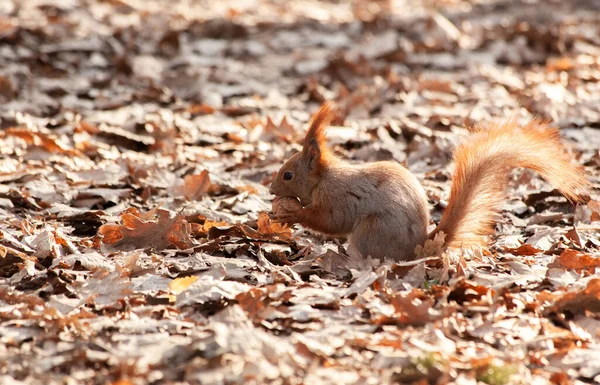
<point>138,139</point>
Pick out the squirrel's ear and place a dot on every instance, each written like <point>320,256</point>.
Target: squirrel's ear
<point>315,143</point>
<point>312,153</point>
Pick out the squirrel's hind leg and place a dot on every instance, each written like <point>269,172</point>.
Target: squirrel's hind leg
<point>378,238</point>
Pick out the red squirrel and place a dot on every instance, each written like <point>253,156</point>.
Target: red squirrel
<point>382,207</point>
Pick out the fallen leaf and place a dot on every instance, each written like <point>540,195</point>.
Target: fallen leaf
<point>178,285</point>
<point>268,227</point>
<point>153,229</point>
<point>412,308</point>
<point>39,139</point>
<point>579,301</point>
<point>525,249</point>
<point>576,260</point>
<point>195,186</point>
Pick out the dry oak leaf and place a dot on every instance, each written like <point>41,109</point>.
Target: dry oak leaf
<point>200,109</point>
<point>525,249</point>
<point>153,229</point>
<point>409,309</point>
<point>412,308</point>
<point>201,230</point>
<point>255,303</point>
<point>580,301</point>
<point>39,139</point>
<point>267,227</point>
<point>195,186</point>
<point>271,132</point>
<point>467,292</point>
<point>179,285</point>
<point>576,260</point>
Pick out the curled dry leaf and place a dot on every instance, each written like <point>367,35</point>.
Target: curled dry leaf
<point>195,186</point>
<point>576,260</point>
<point>580,301</point>
<point>153,229</point>
<point>202,230</point>
<point>39,139</point>
<point>255,303</point>
<point>267,227</point>
<point>525,249</point>
<point>269,131</point>
<point>412,308</point>
<point>5,250</point>
<point>432,247</point>
<point>104,288</point>
<point>178,285</point>
<point>470,292</point>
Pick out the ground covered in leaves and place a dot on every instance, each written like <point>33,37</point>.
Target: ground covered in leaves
<point>137,142</point>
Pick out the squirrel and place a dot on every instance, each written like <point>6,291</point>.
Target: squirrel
<point>382,207</point>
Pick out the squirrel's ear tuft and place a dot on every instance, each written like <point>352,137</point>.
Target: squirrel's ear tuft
<point>315,143</point>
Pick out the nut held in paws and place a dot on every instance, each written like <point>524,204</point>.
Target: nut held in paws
<point>282,205</point>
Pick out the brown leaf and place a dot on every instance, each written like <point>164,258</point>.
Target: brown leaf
<point>155,228</point>
<point>179,285</point>
<point>412,308</point>
<point>33,138</point>
<point>203,229</point>
<point>595,207</point>
<point>90,128</point>
<point>469,292</point>
<point>270,131</point>
<point>563,63</point>
<point>560,379</point>
<point>525,249</point>
<point>580,301</point>
<point>267,227</point>
<point>576,260</point>
<point>200,109</point>
<point>574,236</point>
<point>5,250</point>
<point>436,85</point>
<point>195,186</point>
<point>7,89</point>
<point>254,302</point>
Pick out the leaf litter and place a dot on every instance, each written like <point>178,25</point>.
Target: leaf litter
<point>137,143</point>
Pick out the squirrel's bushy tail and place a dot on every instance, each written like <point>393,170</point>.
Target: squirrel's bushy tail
<point>483,165</point>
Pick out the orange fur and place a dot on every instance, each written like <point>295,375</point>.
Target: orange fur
<point>317,135</point>
<point>483,163</point>
<point>318,124</point>
<point>382,207</point>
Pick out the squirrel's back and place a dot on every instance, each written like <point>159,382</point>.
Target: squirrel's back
<point>382,205</point>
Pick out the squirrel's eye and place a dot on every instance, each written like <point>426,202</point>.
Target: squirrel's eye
<point>288,175</point>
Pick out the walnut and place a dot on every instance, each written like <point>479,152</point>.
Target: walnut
<point>282,205</point>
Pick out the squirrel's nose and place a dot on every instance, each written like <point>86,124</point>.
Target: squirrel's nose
<point>271,190</point>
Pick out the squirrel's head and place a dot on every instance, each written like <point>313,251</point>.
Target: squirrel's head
<point>303,171</point>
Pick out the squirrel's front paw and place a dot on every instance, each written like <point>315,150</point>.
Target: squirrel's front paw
<point>288,217</point>
<point>287,210</point>
<point>285,204</point>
